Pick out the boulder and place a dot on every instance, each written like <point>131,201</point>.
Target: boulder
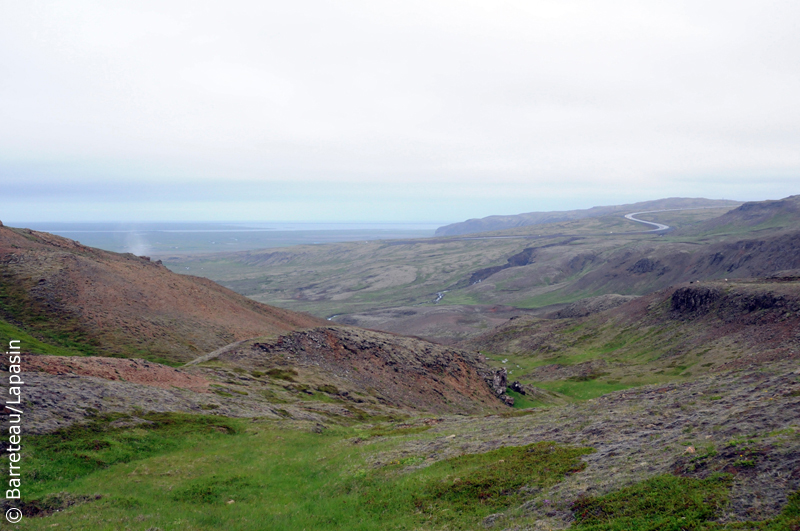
<point>517,387</point>
<point>499,381</point>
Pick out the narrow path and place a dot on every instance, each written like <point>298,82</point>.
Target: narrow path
<point>215,354</point>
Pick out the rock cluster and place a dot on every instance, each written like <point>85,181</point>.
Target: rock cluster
<point>498,381</point>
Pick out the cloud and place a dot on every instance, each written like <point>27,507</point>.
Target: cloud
<point>143,101</point>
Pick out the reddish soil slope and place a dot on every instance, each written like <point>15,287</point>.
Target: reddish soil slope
<point>123,305</point>
<point>125,370</point>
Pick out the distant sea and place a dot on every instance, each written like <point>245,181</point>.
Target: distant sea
<point>169,239</point>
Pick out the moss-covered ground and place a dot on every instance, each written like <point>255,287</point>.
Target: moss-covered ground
<point>179,471</point>
<point>195,472</point>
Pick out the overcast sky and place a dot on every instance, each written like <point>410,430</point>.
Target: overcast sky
<point>411,110</point>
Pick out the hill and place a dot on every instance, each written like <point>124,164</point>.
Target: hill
<point>496,223</point>
<point>322,375</point>
<point>678,333</point>
<point>751,218</point>
<point>60,297</point>
<point>83,300</point>
<point>395,370</point>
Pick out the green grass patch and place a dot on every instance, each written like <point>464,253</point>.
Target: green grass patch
<point>208,473</point>
<point>583,390</point>
<point>317,396</point>
<point>522,401</point>
<point>484,483</point>
<point>672,503</point>
<point>31,344</point>
<point>662,503</point>
<point>282,374</point>
<point>218,490</point>
<point>55,460</point>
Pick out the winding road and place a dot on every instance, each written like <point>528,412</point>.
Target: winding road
<point>658,226</point>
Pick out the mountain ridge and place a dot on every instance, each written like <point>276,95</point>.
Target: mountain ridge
<point>500,222</point>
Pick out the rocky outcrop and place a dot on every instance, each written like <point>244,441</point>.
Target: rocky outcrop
<point>736,305</point>
<point>401,371</point>
<point>694,299</point>
<point>498,381</point>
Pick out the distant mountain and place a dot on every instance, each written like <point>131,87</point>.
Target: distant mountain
<point>493,223</point>
<point>774,216</point>
<point>88,301</point>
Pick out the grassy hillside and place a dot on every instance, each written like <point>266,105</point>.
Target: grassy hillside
<point>296,480</point>
<point>67,346</point>
<point>675,334</point>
